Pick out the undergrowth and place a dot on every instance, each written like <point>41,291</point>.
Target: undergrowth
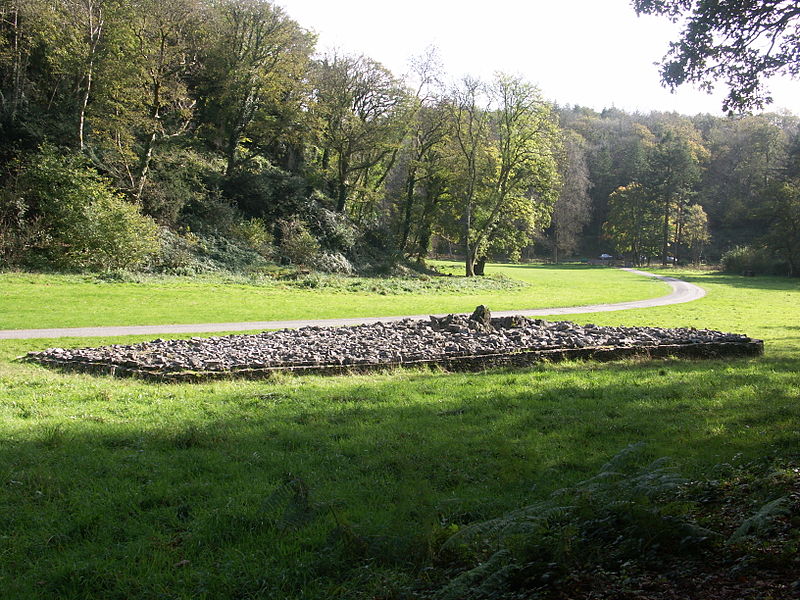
<point>618,527</point>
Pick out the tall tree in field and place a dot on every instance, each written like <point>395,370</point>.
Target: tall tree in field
<point>741,42</point>
<point>359,108</point>
<point>695,231</point>
<point>255,60</point>
<point>470,166</point>
<point>633,223</point>
<point>572,209</point>
<point>508,173</point>
<point>674,170</point>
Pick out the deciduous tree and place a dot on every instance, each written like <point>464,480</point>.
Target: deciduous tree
<point>741,42</point>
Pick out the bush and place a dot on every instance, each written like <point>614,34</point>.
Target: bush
<point>83,223</point>
<point>178,183</point>
<point>334,230</point>
<point>193,253</point>
<point>332,262</point>
<point>265,191</point>
<point>253,234</point>
<point>750,260</point>
<point>297,245</point>
<point>18,233</point>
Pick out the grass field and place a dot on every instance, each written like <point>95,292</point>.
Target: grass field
<point>346,487</point>
<point>44,300</point>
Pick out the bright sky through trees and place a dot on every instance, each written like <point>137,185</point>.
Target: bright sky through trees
<point>595,53</point>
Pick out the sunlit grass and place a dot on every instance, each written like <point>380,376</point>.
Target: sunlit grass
<point>42,301</point>
<point>122,489</point>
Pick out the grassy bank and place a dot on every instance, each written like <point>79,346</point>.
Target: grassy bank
<point>346,487</point>
<point>39,300</point>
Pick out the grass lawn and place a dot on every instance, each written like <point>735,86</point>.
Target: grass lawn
<point>42,301</point>
<point>345,487</point>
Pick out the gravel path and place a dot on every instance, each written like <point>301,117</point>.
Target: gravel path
<point>681,292</point>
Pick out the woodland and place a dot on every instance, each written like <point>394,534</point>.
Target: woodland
<point>184,136</point>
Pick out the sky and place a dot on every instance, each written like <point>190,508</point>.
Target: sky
<point>594,53</point>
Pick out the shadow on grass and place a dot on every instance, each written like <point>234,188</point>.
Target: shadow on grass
<point>551,266</point>
<point>738,281</point>
<point>377,469</point>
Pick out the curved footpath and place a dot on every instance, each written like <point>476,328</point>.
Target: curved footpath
<point>681,292</point>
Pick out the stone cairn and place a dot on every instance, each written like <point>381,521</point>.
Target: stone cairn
<point>453,342</point>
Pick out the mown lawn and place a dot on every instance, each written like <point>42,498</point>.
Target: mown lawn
<point>30,300</point>
<point>346,487</point>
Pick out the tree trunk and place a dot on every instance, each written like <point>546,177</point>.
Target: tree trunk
<point>144,166</point>
<point>469,256</point>
<point>95,29</point>
<point>341,185</point>
<point>16,95</point>
<point>665,234</point>
<point>480,266</point>
<point>411,181</point>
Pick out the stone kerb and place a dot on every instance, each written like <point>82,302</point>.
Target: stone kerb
<point>450,343</point>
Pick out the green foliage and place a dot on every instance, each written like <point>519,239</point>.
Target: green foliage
<point>781,210</point>
<point>739,43</point>
<point>751,260</point>
<point>180,189</point>
<point>625,512</point>
<point>86,224</point>
<point>253,233</point>
<point>297,245</point>
<point>633,223</point>
<point>503,179</point>
<point>196,253</point>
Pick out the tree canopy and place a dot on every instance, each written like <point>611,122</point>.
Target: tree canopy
<point>740,42</point>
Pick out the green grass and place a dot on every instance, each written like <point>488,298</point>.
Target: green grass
<point>122,489</point>
<point>41,301</point>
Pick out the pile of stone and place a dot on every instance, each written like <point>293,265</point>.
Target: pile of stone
<point>449,341</point>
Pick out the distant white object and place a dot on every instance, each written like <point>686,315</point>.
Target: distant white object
<point>605,256</point>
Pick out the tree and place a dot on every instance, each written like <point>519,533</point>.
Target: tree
<point>255,60</point>
<point>632,224</point>
<point>747,154</point>
<point>166,53</point>
<point>741,42</point>
<point>358,104</point>
<point>418,184</point>
<point>572,209</point>
<point>694,226</point>
<point>674,170</point>
<point>505,172</point>
<point>782,209</point>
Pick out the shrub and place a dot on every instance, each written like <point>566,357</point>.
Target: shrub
<point>179,183</point>
<point>297,245</point>
<point>751,260</point>
<point>332,262</point>
<point>192,253</point>
<point>253,234</point>
<point>18,233</point>
<point>86,224</point>
<point>265,191</point>
<point>334,230</point>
